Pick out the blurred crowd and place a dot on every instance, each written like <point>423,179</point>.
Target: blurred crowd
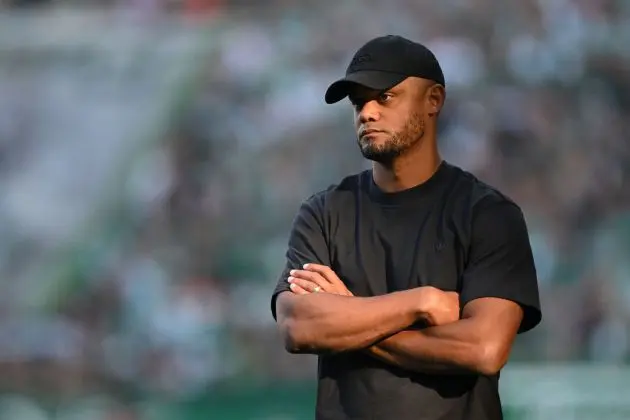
<point>167,291</point>
<point>147,6</point>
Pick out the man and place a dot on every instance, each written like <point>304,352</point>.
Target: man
<point>379,265</point>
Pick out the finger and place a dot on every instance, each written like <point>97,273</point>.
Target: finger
<point>307,285</point>
<point>325,272</point>
<point>310,276</point>
<point>316,267</point>
<point>298,290</point>
<point>337,286</point>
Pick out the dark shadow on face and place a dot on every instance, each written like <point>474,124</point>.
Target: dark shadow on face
<point>389,123</point>
<point>393,145</point>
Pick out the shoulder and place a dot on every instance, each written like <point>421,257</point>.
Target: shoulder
<point>482,198</point>
<point>336,195</point>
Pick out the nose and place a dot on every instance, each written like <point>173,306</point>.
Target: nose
<point>370,112</point>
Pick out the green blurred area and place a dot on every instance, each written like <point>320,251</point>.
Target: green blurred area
<point>564,391</point>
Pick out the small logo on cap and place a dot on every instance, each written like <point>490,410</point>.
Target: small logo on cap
<point>360,59</point>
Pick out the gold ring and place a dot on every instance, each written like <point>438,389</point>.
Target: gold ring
<point>317,289</point>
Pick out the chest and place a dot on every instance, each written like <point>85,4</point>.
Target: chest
<point>379,252</point>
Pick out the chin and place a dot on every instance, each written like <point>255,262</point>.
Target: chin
<point>380,156</point>
<point>374,146</point>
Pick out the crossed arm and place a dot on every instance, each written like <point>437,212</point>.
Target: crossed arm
<point>500,264</point>
<point>336,321</point>
<point>479,343</point>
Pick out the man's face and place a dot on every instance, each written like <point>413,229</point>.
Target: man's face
<point>391,122</point>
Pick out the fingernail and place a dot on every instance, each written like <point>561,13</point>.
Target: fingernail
<point>292,286</point>
<point>305,266</point>
<point>290,279</point>
<point>292,272</point>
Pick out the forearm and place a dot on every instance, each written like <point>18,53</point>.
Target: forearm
<point>406,360</point>
<point>455,348</point>
<point>323,322</point>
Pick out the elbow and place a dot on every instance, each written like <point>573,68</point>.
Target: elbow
<point>299,338</point>
<point>292,330</point>
<point>294,337</point>
<point>491,358</point>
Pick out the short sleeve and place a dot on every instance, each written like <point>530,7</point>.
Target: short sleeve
<point>500,262</point>
<point>307,243</point>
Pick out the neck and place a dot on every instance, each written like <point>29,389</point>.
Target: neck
<point>408,170</point>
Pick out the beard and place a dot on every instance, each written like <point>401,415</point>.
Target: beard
<point>396,145</point>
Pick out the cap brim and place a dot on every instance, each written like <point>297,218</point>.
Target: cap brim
<point>369,78</point>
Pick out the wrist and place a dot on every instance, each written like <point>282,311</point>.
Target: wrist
<point>422,300</point>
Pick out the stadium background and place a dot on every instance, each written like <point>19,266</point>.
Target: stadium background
<point>154,152</point>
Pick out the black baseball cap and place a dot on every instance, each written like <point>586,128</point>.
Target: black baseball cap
<point>384,62</point>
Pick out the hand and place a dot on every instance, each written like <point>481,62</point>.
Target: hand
<point>317,278</point>
<point>437,306</point>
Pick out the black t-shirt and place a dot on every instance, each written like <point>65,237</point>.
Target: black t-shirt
<point>452,232</point>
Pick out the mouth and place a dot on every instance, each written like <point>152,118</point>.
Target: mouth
<point>369,132</point>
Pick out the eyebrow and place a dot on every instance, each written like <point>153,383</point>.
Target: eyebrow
<point>358,96</point>
<point>371,92</point>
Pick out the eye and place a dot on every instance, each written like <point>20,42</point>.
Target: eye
<point>357,103</point>
<point>384,97</point>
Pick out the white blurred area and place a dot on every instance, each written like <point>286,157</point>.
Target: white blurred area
<point>153,154</point>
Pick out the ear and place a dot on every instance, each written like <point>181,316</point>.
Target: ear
<point>436,97</point>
